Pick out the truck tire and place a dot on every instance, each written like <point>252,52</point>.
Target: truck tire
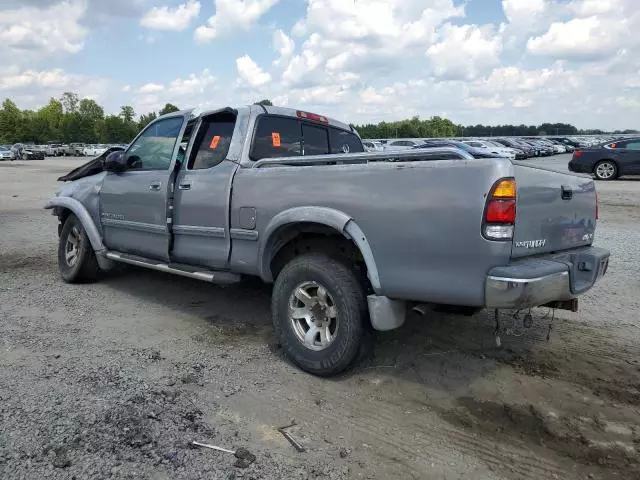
<point>76,258</point>
<point>319,313</point>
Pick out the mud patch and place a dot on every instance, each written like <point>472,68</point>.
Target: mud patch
<point>591,442</point>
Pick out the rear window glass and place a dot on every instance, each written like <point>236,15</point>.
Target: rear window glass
<point>277,137</point>
<point>345,142</point>
<point>212,143</point>
<point>316,140</point>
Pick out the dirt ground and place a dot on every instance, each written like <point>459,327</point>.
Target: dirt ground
<point>115,379</point>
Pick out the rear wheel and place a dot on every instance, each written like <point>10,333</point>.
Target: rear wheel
<point>606,170</point>
<point>320,314</point>
<point>76,258</point>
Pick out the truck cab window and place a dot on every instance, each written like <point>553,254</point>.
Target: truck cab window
<point>153,149</point>
<point>276,137</point>
<point>212,141</point>
<point>316,140</point>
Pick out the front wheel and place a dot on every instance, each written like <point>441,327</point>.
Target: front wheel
<point>320,314</point>
<point>606,170</point>
<point>76,259</point>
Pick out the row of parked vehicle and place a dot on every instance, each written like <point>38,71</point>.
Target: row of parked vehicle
<point>508,147</point>
<point>21,151</point>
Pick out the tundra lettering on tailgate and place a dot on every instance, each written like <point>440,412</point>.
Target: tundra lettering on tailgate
<point>531,243</point>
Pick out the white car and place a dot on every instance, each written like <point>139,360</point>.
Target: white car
<point>402,144</point>
<point>372,146</point>
<point>93,150</point>
<point>5,154</point>
<point>501,151</point>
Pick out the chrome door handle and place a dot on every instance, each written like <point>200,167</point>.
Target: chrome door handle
<point>184,186</point>
<point>155,186</point>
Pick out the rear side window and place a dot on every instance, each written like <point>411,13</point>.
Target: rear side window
<point>277,137</point>
<point>633,146</point>
<point>316,140</point>
<point>344,142</point>
<point>212,143</point>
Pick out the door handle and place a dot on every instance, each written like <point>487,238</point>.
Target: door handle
<point>155,186</point>
<point>184,186</point>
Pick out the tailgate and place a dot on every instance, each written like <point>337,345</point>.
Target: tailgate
<point>555,211</point>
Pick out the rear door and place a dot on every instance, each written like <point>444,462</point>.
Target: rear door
<point>200,226</point>
<point>133,204</point>
<point>555,211</point>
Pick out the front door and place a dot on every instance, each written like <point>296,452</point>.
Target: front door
<point>200,222</point>
<point>133,204</point>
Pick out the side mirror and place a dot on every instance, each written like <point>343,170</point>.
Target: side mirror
<point>115,162</point>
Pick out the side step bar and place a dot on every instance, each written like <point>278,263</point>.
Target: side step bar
<point>217,277</point>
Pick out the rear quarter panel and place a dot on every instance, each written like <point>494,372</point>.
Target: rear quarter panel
<point>422,219</point>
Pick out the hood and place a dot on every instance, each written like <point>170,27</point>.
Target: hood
<point>90,168</point>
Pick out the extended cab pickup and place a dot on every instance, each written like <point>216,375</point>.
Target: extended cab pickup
<point>348,238</point>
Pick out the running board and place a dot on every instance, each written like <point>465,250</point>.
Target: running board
<point>217,277</point>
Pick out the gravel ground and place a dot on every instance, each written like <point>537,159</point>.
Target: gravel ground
<point>115,379</point>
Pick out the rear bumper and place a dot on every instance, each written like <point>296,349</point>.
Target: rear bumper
<point>555,278</point>
<point>579,168</point>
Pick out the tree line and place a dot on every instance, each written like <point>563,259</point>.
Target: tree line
<point>70,119</point>
<point>441,127</point>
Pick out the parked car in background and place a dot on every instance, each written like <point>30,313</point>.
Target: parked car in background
<point>608,161</point>
<point>93,150</point>
<point>372,146</point>
<point>74,150</point>
<point>5,153</point>
<point>473,151</point>
<point>500,151</point>
<point>514,143</point>
<point>402,144</point>
<point>24,152</point>
<point>54,150</point>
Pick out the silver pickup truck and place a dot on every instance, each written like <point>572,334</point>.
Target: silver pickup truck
<point>349,239</point>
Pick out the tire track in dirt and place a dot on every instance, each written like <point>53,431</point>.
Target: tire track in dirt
<point>385,426</point>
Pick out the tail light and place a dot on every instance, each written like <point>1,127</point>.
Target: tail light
<point>577,153</point>
<point>500,212</point>
<point>313,116</point>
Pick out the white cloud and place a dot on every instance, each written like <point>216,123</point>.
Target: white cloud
<point>485,102</point>
<point>284,46</point>
<point>232,16</point>
<point>465,51</point>
<point>192,85</point>
<point>589,37</point>
<point>250,73</point>
<point>167,18</point>
<point>345,37</point>
<point>194,90</point>
<point>38,32</point>
<point>522,12</point>
<point>151,88</point>
<point>32,88</point>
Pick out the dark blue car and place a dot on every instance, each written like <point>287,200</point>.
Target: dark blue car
<point>608,161</point>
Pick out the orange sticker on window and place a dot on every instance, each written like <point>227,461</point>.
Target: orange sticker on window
<point>275,139</point>
<point>214,142</point>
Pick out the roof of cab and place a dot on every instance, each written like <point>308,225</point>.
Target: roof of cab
<point>257,109</point>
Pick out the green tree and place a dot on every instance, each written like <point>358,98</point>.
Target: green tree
<point>168,108</point>
<point>265,102</point>
<point>10,122</point>
<point>70,102</point>
<point>90,110</point>
<point>146,119</point>
<point>127,113</point>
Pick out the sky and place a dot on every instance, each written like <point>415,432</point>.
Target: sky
<point>360,61</point>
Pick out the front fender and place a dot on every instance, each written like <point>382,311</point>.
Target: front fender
<point>83,215</point>
<point>329,217</point>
